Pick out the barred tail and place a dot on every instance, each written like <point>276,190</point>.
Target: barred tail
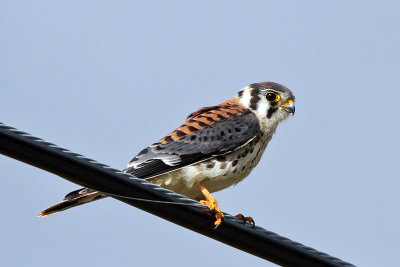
<point>73,199</point>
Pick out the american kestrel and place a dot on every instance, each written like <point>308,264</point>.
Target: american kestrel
<point>214,148</point>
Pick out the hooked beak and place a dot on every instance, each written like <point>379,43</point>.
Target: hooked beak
<point>288,106</point>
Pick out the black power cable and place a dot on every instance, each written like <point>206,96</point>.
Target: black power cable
<point>89,173</point>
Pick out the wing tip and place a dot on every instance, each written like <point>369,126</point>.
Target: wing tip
<point>53,209</point>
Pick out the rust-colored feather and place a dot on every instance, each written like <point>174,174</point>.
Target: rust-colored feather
<point>204,118</point>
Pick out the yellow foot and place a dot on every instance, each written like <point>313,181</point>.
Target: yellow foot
<point>246,219</point>
<point>212,204</point>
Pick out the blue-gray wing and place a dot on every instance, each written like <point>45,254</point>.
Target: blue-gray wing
<point>208,134</point>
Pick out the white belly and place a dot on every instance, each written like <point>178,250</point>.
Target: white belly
<point>215,174</point>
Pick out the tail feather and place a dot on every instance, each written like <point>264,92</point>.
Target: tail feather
<point>73,199</point>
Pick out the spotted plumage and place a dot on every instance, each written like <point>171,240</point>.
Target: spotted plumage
<point>185,148</point>
<point>214,148</point>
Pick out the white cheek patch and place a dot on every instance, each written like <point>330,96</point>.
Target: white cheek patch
<point>262,107</point>
<point>246,97</point>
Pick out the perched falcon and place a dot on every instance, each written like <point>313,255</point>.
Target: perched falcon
<point>214,148</point>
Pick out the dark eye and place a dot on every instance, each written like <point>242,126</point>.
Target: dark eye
<point>272,97</point>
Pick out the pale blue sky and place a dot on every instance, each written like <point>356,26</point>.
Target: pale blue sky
<point>106,79</point>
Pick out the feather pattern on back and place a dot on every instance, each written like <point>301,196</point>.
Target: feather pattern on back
<point>209,132</point>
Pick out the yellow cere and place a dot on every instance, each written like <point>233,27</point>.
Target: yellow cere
<point>288,102</point>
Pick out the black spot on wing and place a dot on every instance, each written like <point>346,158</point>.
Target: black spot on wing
<point>210,119</point>
<point>220,117</point>
<point>200,123</point>
<point>180,133</point>
<point>168,139</point>
<point>192,129</point>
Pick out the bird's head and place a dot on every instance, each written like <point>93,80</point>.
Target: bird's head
<point>271,102</point>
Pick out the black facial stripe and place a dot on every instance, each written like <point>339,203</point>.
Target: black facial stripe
<point>270,112</point>
<point>240,93</point>
<point>255,98</point>
<point>273,104</point>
